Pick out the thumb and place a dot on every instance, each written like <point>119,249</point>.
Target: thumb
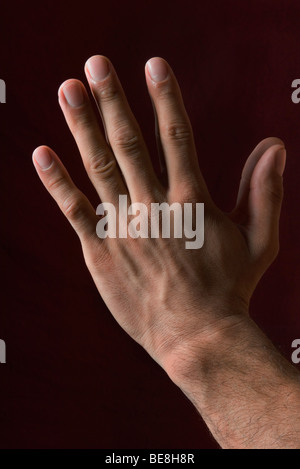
<point>264,204</point>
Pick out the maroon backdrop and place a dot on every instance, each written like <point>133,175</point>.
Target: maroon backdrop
<point>73,378</point>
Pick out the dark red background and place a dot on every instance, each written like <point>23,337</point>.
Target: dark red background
<point>74,379</point>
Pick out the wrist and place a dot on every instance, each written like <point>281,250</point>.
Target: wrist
<point>189,359</point>
<point>244,389</point>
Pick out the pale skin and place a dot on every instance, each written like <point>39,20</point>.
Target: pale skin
<point>187,308</point>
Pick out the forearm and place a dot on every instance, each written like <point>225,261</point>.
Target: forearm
<point>246,392</point>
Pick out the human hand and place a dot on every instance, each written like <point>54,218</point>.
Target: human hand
<point>166,297</point>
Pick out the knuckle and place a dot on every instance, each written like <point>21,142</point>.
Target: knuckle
<point>56,183</point>
<point>73,207</point>
<point>274,192</point>
<point>102,165</point>
<point>81,121</point>
<point>165,91</point>
<point>178,131</point>
<point>107,91</point>
<point>126,139</point>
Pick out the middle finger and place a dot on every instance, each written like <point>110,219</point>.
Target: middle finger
<point>122,129</point>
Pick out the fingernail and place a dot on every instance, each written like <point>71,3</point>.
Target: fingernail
<point>43,158</point>
<point>158,69</point>
<point>280,160</point>
<point>73,94</point>
<point>98,68</point>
